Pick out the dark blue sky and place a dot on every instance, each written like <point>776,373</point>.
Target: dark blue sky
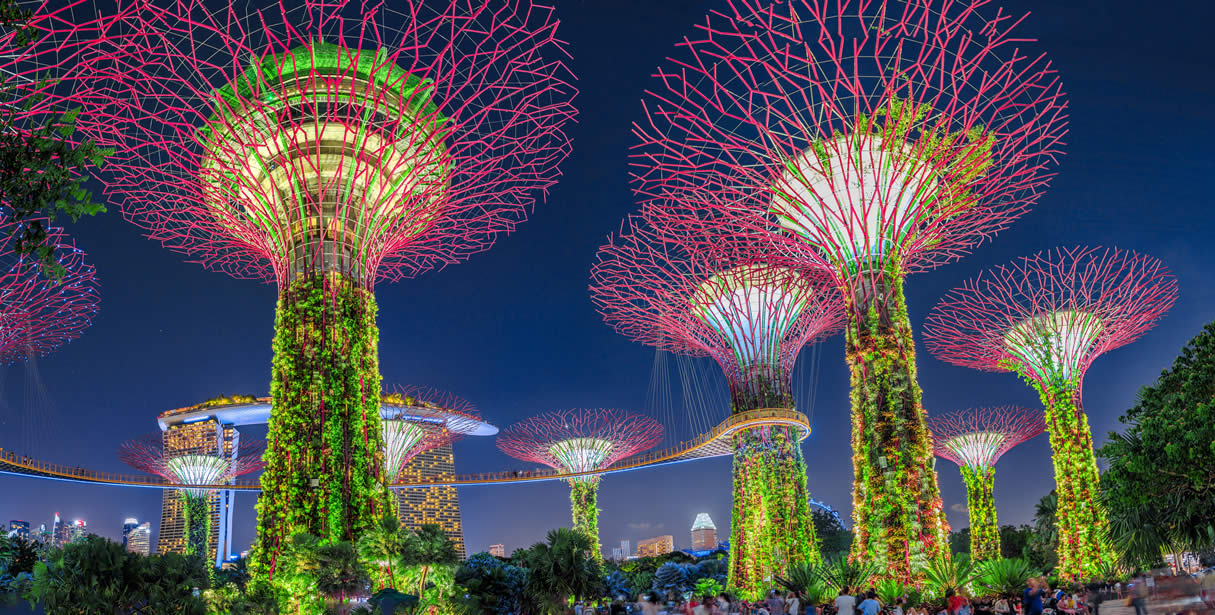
<point>514,332</point>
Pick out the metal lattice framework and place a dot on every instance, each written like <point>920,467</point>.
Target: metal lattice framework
<point>147,453</point>
<point>1050,315</point>
<point>1047,317</point>
<point>38,315</point>
<point>734,302</point>
<point>431,418</point>
<point>380,142</point>
<point>580,440</point>
<point>868,136</point>
<point>978,437</point>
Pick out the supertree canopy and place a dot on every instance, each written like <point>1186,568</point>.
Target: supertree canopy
<point>325,145</point>
<point>580,441</point>
<point>1047,317</point>
<point>752,314</point>
<point>872,140</point>
<point>148,453</point>
<point>37,314</point>
<point>429,419</point>
<point>975,439</point>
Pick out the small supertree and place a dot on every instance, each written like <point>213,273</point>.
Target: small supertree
<point>581,440</point>
<point>429,419</point>
<point>752,315</point>
<point>148,453</point>
<point>37,314</point>
<point>873,140</point>
<point>323,146</point>
<point>1047,317</point>
<point>975,439</point>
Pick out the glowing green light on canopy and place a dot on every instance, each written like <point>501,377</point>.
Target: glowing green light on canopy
<point>582,455</point>
<point>1053,346</point>
<point>752,310</point>
<point>401,439</point>
<point>977,449</point>
<point>198,470</point>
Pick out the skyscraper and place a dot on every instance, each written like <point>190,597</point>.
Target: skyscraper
<point>139,540</point>
<point>78,531</point>
<point>432,505</point>
<point>659,545</point>
<point>704,533</point>
<point>497,550</point>
<point>19,529</point>
<point>59,532</point>
<point>626,549</point>
<point>128,525</point>
<point>198,437</point>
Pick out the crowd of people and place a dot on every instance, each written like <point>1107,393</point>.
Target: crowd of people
<point>1145,594</point>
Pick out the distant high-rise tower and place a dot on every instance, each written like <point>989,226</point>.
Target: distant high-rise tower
<point>59,532</point>
<point>205,437</point>
<point>497,550</point>
<point>128,525</point>
<point>19,529</point>
<point>432,505</point>
<point>139,539</point>
<point>78,531</point>
<point>704,533</point>
<point>659,545</point>
<point>626,548</point>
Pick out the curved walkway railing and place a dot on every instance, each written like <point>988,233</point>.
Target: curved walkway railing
<point>717,442</point>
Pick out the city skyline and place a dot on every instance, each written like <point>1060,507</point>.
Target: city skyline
<point>514,331</point>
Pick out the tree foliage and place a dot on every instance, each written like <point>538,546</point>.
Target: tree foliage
<point>1160,485</point>
<point>563,567</point>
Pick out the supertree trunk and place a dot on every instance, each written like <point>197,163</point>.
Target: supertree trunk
<point>197,516</point>
<point>771,526</point>
<point>1080,518</point>
<point>324,455</point>
<point>898,517</point>
<point>584,505</point>
<point>981,508</point>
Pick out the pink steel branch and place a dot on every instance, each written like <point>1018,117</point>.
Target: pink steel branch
<point>613,434</point>
<point>1112,296</point>
<point>994,430</point>
<point>147,453</point>
<point>494,73</point>
<point>858,127</point>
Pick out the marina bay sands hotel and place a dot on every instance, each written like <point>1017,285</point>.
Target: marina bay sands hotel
<point>213,427</point>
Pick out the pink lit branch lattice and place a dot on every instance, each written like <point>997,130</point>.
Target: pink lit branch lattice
<point>1050,315</point>
<point>38,315</point>
<point>735,302</point>
<point>148,453</point>
<point>580,440</point>
<point>380,141</point>
<point>869,136</point>
<point>427,419</point>
<point>978,437</point>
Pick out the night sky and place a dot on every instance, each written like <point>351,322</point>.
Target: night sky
<point>513,330</point>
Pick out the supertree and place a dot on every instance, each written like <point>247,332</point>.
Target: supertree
<point>753,316</point>
<point>39,314</point>
<point>325,145</point>
<point>872,140</point>
<point>577,441</point>
<point>428,419</point>
<point>148,453</point>
<point>1047,317</point>
<point>975,439</point>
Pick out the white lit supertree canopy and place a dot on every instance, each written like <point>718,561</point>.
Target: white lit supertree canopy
<point>978,437</point>
<point>148,453</point>
<point>425,420</point>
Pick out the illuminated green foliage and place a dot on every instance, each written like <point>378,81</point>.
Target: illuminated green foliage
<point>325,453</point>
<point>584,502</point>
<point>198,522</point>
<point>897,509</point>
<point>981,508</point>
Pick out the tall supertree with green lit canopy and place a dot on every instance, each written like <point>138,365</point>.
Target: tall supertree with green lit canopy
<point>1047,317</point>
<point>326,145</point>
<point>581,442</point>
<point>975,439</point>
<point>752,313</point>
<point>871,140</point>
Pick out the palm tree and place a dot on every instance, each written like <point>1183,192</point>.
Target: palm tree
<point>426,548</point>
<point>385,543</point>
<point>565,566</point>
<point>339,573</point>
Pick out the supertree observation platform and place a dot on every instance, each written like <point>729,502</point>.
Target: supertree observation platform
<point>870,141</point>
<point>238,457</point>
<point>752,315</point>
<point>1047,317</point>
<point>581,442</point>
<point>324,146</point>
<point>975,439</point>
<point>39,314</point>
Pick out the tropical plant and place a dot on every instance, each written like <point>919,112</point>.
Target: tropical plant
<point>889,590</point>
<point>707,587</point>
<point>1004,577</point>
<point>841,573</point>
<point>491,585</point>
<point>834,540</point>
<point>564,567</point>
<point>339,572</point>
<point>942,574</point>
<point>383,544</point>
<point>671,578</point>
<point>427,548</point>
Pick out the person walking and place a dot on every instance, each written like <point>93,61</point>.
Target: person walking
<point>1031,599</point>
<point>1139,595</point>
